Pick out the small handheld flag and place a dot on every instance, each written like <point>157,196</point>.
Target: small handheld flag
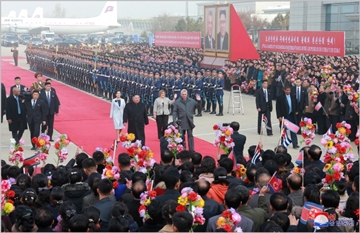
<point>275,184</point>
<point>318,106</point>
<point>286,141</point>
<point>257,154</point>
<point>291,126</point>
<point>33,160</point>
<point>309,212</point>
<point>300,158</point>
<point>265,120</point>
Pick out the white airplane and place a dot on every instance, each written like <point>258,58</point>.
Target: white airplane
<point>38,13</point>
<point>23,14</point>
<point>12,14</point>
<point>107,20</point>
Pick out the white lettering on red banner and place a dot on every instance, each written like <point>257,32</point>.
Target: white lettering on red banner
<point>310,42</point>
<point>178,39</point>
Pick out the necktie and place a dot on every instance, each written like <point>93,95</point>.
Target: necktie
<point>118,102</point>
<point>48,97</point>
<point>18,105</point>
<point>298,94</point>
<point>266,96</point>
<point>289,103</point>
<point>34,102</point>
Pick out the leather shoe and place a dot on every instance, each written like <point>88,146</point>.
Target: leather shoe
<point>296,147</point>
<point>207,111</point>
<point>51,140</point>
<point>212,112</point>
<point>33,148</point>
<point>198,115</point>
<point>220,114</point>
<point>270,134</point>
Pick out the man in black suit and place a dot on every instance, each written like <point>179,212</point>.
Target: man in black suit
<point>52,101</point>
<point>222,36</point>
<point>16,114</point>
<point>302,100</point>
<point>239,141</point>
<point>342,99</point>
<point>35,115</point>
<point>286,107</point>
<point>209,39</point>
<point>18,84</point>
<point>3,101</point>
<point>48,80</point>
<point>264,107</point>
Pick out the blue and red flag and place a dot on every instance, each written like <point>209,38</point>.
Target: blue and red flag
<point>286,141</point>
<point>291,126</point>
<point>33,160</point>
<point>257,154</point>
<point>275,184</point>
<point>300,158</point>
<point>309,212</point>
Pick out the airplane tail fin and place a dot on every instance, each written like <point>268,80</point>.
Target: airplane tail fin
<point>12,14</point>
<point>23,14</point>
<point>109,12</point>
<point>38,13</point>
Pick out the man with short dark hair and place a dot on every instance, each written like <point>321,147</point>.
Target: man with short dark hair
<point>314,155</point>
<point>53,104</point>
<point>264,107</point>
<point>89,166</point>
<point>182,221</point>
<point>16,115</point>
<point>167,157</point>
<point>228,164</point>
<point>35,115</point>
<point>239,143</point>
<point>258,215</point>
<point>44,219</point>
<point>171,179</point>
<point>99,157</point>
<point>302,99</point>
<point>105,204</point>
<point>222,36</point>
<point>262,178</point>
<point>279,203</point>
<point>232,200</point>
<point>294,182</point>
<point>124,163</point>
<point>18,85</point>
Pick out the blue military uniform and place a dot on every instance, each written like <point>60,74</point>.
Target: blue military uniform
<point>220,92</point>
<point>198,91</point>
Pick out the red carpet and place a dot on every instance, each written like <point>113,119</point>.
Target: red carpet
<point>85,118</point>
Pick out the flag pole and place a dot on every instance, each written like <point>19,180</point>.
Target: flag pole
<point>281,130</point>
<point>114,152</point>
<point>262,126</point>
<point>303,166</point>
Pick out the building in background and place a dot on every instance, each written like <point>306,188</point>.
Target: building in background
<point>328,16</point>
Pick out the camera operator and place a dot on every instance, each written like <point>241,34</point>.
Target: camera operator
<point>16,114</point>
<point>239,141</point>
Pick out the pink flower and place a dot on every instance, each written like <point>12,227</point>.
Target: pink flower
<point>5,185</point>
<point>43,156</point>
<point>337,167</point>
<point>116,176</point>
<point>349,166</point>
<point>308,141</point>
<point>21,141</point>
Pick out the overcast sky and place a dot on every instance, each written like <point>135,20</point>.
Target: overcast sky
<point>126,9</point>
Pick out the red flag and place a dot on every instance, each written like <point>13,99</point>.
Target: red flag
<point>33,160</point>
<point>300,158</point>
<point>318,106</point>
<point>275,184</point>
<point>309,212</point>
<point>291,126</point>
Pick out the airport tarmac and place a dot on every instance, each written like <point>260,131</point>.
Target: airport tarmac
<point>203,129</point>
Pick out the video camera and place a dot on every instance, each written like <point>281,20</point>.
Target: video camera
<point>226,124</point>
<point>26,95</point>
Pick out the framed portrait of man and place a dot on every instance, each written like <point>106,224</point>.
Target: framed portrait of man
<point>209,38</point>
<point>222,29</point>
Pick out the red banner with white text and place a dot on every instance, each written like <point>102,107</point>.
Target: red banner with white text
<point>328,43</point>
<point>178,39</point>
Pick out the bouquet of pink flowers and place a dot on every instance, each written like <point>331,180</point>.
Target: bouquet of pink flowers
<point>145,200</point>
<point>307,130</point>
<point>143,161</point>
<point>223,138</point>
<point>43,145</point>
<point>174,140</point>
<point>61,150</point>
<point>16,152</point>
<point>244,87</point>
<point>229,220</point>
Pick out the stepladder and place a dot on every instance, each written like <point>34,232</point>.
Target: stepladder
<point>235,100</point>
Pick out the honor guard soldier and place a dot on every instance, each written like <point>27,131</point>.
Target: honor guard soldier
<point>206,89</point>
<point>198,91</point>
<point>178,84</point>
<point>191,84</point>
<point>220,91</point>
<point>212,92</point>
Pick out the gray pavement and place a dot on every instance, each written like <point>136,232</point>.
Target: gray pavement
<point>203,129</point>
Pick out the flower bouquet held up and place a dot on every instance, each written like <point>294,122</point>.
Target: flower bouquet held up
<point>61,151</point>
<point>42,144</point>
<point>229,220</point>
<point>112,173</point>
<point>145,200</point>
<point>307,131</point>
<point>223,138</point>
<point>16,152</point>
<point>339,154</point>
<point>7,205</point>
<point>174,140</point>
<point>193,203</point>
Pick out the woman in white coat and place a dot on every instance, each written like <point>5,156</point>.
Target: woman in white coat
<point>116,113</point>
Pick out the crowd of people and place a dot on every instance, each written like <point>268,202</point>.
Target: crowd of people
<point>79,196</point>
